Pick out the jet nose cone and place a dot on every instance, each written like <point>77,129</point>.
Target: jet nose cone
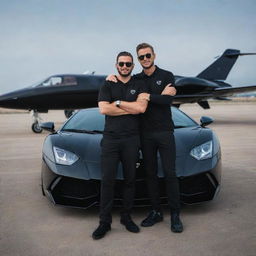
<point>8,100</point>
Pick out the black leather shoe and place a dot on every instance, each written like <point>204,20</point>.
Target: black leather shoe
<point>176,224</point>
<point>152,218</point>
<point>101,230</point>
<point>129,224</point>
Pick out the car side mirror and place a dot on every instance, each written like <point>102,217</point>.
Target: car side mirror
<point>205,120</point>
<point>48,126</point>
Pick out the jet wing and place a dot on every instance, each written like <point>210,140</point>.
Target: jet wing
<point>191,98</point>
<point>233,90</point>
<point>215,93</point>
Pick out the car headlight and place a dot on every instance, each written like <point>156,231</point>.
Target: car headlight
<point>204,151</point>
<point>64,157</point>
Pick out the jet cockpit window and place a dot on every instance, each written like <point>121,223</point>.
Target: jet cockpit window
<point>60,81</point>
<point>69,80</point>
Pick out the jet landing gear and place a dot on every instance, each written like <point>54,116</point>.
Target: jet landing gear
<point>36,128</point>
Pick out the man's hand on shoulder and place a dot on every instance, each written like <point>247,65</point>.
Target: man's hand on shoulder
<point>169,90</point>
<point>111,78</point>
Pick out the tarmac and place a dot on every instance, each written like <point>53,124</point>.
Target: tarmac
<point>31,226</point>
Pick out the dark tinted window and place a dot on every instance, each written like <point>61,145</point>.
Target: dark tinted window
<point>91,119</point>
<point>59,81</point>
<point>181,120</point>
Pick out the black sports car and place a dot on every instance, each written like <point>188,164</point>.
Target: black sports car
<point>71,162</point>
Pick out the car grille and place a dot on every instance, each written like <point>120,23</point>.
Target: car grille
<point>75,192</point>
<point>86,193</point>
<point>198,188</point>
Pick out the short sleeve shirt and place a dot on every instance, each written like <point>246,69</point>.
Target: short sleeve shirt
<point>123,125</point>
<point>158,117</point>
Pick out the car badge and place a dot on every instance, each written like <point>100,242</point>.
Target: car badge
<point>159,82</point>
<point>132,91</point>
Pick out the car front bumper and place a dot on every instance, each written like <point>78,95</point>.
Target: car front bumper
<point>73,192</point>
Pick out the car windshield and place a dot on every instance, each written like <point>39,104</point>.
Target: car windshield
<point>91,121</point>
<point>86,120</point>
<point>181,120</point>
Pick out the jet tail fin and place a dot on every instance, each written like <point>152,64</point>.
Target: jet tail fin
<point>220,68</point>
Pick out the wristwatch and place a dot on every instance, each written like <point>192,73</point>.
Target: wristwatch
<point>118,102</point>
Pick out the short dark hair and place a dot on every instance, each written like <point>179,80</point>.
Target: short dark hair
<point>144,45</point>
<point>123,54</point>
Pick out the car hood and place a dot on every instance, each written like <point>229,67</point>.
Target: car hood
<point>188,138</point>
<point>87,148</point>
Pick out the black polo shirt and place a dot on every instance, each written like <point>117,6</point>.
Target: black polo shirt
<point>158,116</point>
<point>123,125</point>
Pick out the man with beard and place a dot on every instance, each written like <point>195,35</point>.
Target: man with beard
<point>157,136</point>
<point>120,141</point>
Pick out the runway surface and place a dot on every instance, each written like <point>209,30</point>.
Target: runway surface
<point>32,226</point>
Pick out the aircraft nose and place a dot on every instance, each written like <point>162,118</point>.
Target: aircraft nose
<point>8,100</point>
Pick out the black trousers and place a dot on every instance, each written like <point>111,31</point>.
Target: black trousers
<point>115,150</point>
<point>164,143</point>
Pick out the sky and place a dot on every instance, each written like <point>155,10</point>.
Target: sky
<point>39,38</point>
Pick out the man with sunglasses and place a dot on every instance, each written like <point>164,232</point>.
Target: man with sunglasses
<point>157,136</point>
<point>120,141</point>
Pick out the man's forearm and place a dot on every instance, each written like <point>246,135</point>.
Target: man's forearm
<point>166,96</point>
<point>156,98</point>
<point>109,109</point>
<point>161,99</point>
<point>135,107</point>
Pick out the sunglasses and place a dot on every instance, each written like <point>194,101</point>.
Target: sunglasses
<point>127,64</point>
<point>148,56</point>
